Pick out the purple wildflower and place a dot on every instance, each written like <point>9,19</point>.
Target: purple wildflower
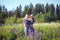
<point>31,34</point>
<point>37,35</point>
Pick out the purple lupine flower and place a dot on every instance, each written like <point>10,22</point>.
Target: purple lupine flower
<point>37,35</point>
<point>31,34</point>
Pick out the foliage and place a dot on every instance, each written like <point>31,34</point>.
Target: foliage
<point>19,20</point>
<point>18,11</point>
<point>48,31</point>
<point>10,20</point>
<point>47,17</point>
<point>47,8</point>
<point>52,9</point>
<point>38,8</point>
<point>47,13</point>
<point>2,14</point>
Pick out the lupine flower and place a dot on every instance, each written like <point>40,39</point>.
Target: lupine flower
<point>37,35</point>
<point>31,35</point>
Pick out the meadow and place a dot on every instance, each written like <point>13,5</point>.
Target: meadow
<point>47,31</point>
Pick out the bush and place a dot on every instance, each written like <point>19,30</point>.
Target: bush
<point>10,20</point>
<point>47,17</point>
<point>19,20</point>
<point>39,18</point>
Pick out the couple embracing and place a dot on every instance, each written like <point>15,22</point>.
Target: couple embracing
<point>28,23</point>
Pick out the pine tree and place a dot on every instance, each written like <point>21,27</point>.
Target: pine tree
<point>47,8</point>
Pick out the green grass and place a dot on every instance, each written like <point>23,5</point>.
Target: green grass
<point>48,31</point>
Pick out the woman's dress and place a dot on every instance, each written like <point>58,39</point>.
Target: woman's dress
<point>28,27</point>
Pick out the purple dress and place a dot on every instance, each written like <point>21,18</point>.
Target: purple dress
<point>28,22</point>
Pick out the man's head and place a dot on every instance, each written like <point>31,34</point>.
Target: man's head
<point>32,15</point>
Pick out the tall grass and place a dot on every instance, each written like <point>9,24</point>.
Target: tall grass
<point>47,31</point>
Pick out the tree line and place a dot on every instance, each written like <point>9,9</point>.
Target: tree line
<point>49,9</point>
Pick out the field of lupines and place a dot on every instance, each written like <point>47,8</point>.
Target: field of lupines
<point>47,31</point>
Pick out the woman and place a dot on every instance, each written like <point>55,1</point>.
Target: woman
<point>28,22</point>
<point>24,22</point>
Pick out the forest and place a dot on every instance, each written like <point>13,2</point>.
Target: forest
<point>42,13</point>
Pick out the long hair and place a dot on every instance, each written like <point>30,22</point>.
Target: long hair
<point>32,15</point>
<point>26,16</point>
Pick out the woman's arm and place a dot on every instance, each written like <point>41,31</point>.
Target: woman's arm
<point>23,22</point>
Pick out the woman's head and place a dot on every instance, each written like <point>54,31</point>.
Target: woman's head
<point>27,16</point>
<point>32,16</point>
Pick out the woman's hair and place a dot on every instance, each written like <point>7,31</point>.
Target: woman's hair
<point>32,15</point>
<point>26,16</point>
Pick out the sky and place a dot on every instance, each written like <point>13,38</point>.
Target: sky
<point>12,4</point>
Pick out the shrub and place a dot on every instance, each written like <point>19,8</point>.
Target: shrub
<point>19,20</point>
<point>39,18</point>
<point>47,17</point>
<point>10,20</point>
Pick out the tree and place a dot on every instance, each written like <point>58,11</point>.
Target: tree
<point>47,8</point>
<point>57,11</point>
<point>0,14</point>
<point>31,8</point>
<point>26,8</point>
<point>3,11</point>
<point>10,13</point>
<point>38,8</point>
<point>0,9</point>
<point>18,11</point>
<point>52,9</point>
<point>43,10</point>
